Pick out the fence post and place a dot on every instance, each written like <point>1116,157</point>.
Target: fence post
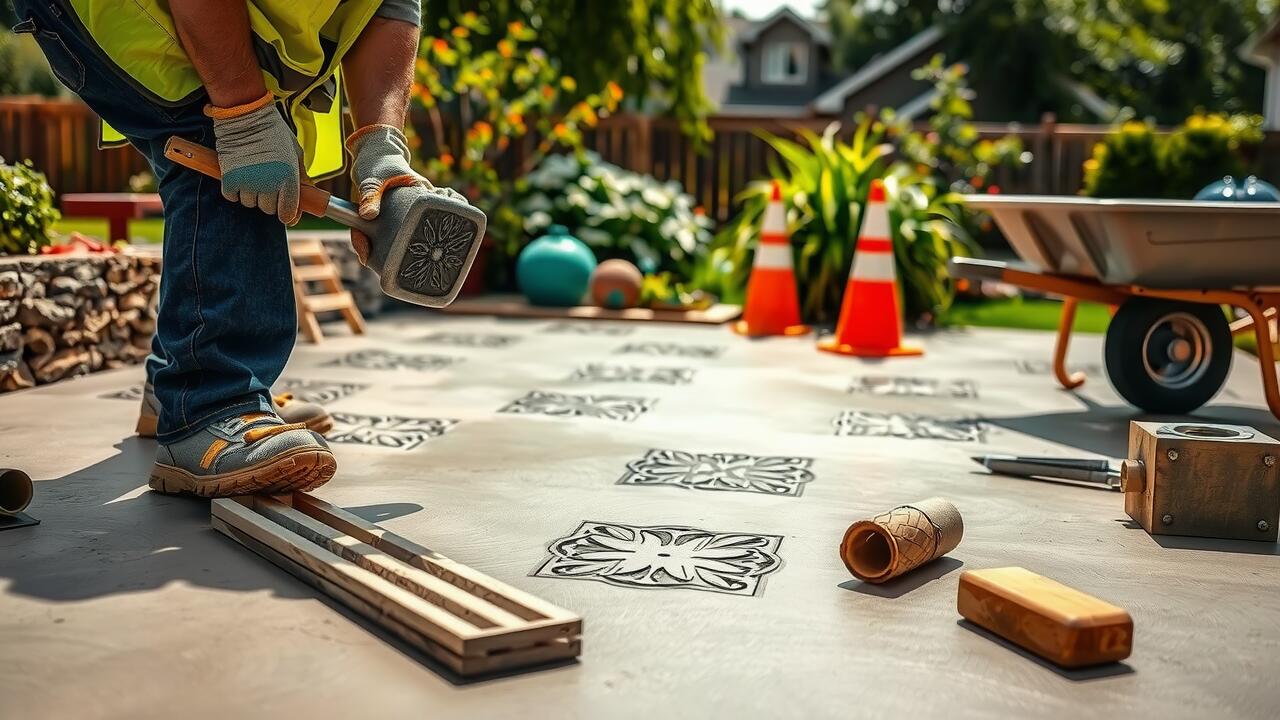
<point>642,145</point>
<point>1046,154</point>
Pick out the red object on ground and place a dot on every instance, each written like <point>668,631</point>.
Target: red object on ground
<point>117,208</point>
<point>871,316</point>
<point>773,305</point>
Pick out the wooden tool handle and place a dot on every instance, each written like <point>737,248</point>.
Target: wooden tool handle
<point>202,159</point>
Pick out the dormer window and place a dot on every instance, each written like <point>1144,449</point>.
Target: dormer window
<point>785,63</point>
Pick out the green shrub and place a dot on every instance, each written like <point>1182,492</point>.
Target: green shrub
<point>618,213</point>
<point>23,69</point>
<point>1135,160</point>
<point>26,209</point>
<point>825,183</point>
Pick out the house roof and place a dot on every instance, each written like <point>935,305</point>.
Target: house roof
<point>832,101</point>
<point>752,32</point>
<point>1259,49</point>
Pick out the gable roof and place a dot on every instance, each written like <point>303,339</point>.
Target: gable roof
<point>752,33</point>
<point>832,101</point>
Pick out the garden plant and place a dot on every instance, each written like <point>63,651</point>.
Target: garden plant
<point>27,213</point>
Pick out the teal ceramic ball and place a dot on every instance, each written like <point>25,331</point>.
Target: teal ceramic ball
<point>555,269</point>
<point>1229,190</point>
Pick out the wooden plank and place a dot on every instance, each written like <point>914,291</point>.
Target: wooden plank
<point>495,591</point>
<point>386,599</point>
<point>514,306</point>
<point>474,610</point>
<point>1056,622</point>
<point>474,665</point>
<point>314,273</point>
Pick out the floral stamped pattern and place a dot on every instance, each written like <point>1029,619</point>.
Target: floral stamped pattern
<point>1044,367</point>
<point>319,391</point>
<point>671,350</point>
<point>908,427</point>
<point>386,360</point>
<point>606,407</point>
<point>477,340</point>
<point>664,557</point>
<point>596,372</point>
<point>588,328</point>
<point>437,252</point>
<point>386,431</point>
<point>733,472</point>
<point>913,386</point>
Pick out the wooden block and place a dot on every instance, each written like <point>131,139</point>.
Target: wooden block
<point>450,612</point>
<point>1202,479</point>
<point>1056,622</point>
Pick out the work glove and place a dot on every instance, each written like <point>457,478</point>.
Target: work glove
<point>260,158</point>
<point>380,163</point>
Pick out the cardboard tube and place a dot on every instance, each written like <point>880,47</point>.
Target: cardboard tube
<point>15,491</point>
<point>901,540</point>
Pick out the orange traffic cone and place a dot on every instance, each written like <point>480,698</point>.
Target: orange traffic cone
<point>772,306</point>
<point>870,316</point>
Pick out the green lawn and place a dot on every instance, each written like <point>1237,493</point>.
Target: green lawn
<point>1025,314</point>
<point>1040,314</point>
<point>151,230</point>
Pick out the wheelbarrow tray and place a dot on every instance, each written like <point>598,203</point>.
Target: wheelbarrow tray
<point>1166,244</point>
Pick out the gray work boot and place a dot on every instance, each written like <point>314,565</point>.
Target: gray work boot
<point>291,410</point>
<point>253,453</point>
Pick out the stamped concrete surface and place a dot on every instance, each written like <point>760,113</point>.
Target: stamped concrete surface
<point>683,489</point>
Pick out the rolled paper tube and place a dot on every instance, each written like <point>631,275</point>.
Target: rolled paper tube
<point>15,491</point>
<point>901,540</point>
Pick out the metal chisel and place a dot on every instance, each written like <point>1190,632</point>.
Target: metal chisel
<point>1086,470</point>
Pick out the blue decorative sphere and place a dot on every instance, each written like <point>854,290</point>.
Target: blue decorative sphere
<point>555,269</point>
<point>1229,190</point>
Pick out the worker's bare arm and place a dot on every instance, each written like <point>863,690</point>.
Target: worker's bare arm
<point>216,36</point>
<point>379,71</point>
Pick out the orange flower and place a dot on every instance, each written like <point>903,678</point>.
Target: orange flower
<point>505,48</point>
<point>560,130</point>
<point>460,32</point>
<point>440,46</point>
<point>614,90</point>
<point>515,118</point>
<point>548,92</point>
<point>515,28</point>
<point>446,160</point>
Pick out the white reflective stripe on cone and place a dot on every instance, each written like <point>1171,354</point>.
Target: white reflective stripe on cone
<point>876,224</point>
<point>873,266</point>
<point>775,218</point>
<point>773,257</point>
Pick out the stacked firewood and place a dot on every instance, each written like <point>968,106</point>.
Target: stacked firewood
<point>62,316</point>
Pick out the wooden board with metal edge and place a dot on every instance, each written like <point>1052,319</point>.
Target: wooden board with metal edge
<point>468,621</point>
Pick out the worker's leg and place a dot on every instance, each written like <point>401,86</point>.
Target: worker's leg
<point>226,322</point>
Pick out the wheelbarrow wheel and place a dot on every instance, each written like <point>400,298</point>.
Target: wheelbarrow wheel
<point>1168,357</point>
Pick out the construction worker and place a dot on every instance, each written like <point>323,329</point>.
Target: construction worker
<point>261,82</point>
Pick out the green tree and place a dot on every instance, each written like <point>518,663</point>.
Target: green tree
<point>653,49</point>
<point>1161,58</point>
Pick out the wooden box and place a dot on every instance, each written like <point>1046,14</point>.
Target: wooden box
<point>1204,480</point>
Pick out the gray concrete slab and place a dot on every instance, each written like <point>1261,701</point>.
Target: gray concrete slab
<point>123,603</point>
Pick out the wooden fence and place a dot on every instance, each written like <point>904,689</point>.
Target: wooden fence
<point>61,137</point>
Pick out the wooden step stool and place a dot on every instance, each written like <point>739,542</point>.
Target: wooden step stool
<point>312,264</point>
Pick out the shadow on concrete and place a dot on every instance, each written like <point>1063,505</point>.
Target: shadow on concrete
<point>1183,542</point>
<point>384,511</point>
<point>1104,429</point>
<point>904,584</point>
<point>1097,672</point>
<point>103,533</point>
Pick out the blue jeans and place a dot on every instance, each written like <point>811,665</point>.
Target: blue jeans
<point>227,320</point>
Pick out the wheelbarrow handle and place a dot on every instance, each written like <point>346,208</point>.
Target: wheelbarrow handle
<point>201,159</point>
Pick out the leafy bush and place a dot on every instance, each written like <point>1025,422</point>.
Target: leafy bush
<point>26,209</point>
<point>1135,160</point>
<point>825,183</point>
<point>620,214</point>
<point>23,69</point>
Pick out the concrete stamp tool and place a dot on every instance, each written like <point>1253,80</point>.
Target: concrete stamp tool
<point>421,245</point>
<point>16,492</point>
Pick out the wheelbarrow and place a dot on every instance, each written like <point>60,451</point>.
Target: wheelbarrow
<point>1166,267</point>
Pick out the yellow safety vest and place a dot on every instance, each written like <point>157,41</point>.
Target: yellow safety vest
<point>299,46</point>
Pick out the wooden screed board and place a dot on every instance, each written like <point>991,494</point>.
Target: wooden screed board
<point>463,618</point>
